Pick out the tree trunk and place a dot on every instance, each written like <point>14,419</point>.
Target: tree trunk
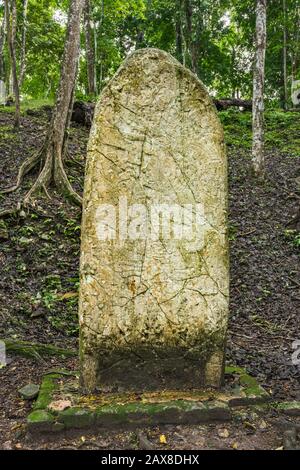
<point>51,155</point>
<point>98,57</point>
<point>178,30</point>
<point>2,42</point>
<point>23,44</point>
<point>189,35</point>
<point>11,24</point>
<point>285,85</point>
<point>90,53</point>
<point>258,89</point>
<point>295,53</point>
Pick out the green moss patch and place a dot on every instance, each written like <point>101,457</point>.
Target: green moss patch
<point>291,408</point>
<point>173,412</point>
<point>48,387</point>
<point>76,418</point>
<point>40,420</point>
<point>253,392</point>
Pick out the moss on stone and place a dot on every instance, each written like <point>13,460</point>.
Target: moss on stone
<point>256,391</point>
<point>234,370</point>
<point>247,380</point>
<point>57,427</point>
<point>291,408</point>
<point>49,385</point>
<point>40,420</point>
<point>252,391</point>
<point>36,350</point>
<point>76,418</point>
<point>179,411</point>
<point>218,411</point>
<point>252,388</point>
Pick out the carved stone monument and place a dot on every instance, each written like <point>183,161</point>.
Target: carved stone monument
<point>154,257</point>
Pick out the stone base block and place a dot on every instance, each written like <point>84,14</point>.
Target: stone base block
<point>290,408</point>
<point>61,405</point>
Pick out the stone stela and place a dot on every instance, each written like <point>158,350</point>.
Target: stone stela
<point>2,92</point>
<point>154,257</point>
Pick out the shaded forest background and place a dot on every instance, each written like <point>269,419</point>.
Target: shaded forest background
<point>215,38</point>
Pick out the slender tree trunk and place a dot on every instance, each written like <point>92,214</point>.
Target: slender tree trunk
<point>98,57</point>
<point>10,83</point>
<point>178,28</point>
<point>285,85</point>
<point>258,89</point>
<point>98,83</point>
<point>2,42</point>
<point>295,53</point>
<point>189,34</point>
<point>23,44</point>
<point>90,52</point>
<point>11,24</point>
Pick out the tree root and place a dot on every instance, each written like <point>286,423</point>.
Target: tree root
<point>64,185</point>
<point>25,168</point>
<point>10,211</point>
<point>52,171</point>
<point>43,179</point>
<point>36,350</point>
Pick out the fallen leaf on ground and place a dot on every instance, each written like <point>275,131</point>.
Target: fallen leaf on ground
<point>263,424</point>
<point>223,433</point>
<point>249,425</point>
<point>67,295</point>
<point>59,405</point>
<point>162,439</point>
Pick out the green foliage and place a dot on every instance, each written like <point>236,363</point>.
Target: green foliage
<point>35,103</point>
<point>237,127</point>
<point>221,34</point>
<point>51,294</point>
<point>232,232</point>
<point>45,42</point>
<point>282,130</point>
<point>293,236</point>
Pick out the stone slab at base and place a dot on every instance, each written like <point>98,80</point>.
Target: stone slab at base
<point>290,408</point>
<point>61,406</point>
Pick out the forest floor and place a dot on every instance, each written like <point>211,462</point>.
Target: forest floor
<point>39,258</point>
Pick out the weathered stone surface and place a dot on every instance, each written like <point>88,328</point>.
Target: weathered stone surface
<point>76,418</point>
<point>153,302</point>
<point>296,92</point>
<point>40,421</point>
<point>176,412</point>
<point>29,391</point>
<point>2,92</point>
